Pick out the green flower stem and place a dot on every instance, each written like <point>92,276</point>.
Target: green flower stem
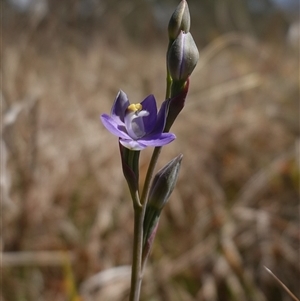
<point>136,271</point>
<point>140,207</point>
<point>136,275</point>
<point>177,87</point>
<point>149,175</point>
<point>172,90</point>
<point>139,214</point>
<point>133,161</point>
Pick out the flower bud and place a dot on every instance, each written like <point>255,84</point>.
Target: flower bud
<point>182,58</point>
<point>180,20</point>
<point>161,189</point>
<point>164,183</point>
<point>162,186</point>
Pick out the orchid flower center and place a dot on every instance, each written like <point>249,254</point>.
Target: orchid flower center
<point>135,107</point>
<point>134,120</point>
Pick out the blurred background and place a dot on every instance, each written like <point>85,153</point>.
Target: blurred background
<point>67,217</point>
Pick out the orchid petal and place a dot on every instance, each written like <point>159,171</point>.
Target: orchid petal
<point>132,144</point>
<point>149,105</point>
<point>157,140</point>
<point>161,119</point>
<point>119,107</point>
<point>112,126</point>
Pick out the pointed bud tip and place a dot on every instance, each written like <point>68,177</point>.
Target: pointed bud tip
<point>179,21</point>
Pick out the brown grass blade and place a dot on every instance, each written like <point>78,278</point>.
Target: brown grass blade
<point>282,284</point>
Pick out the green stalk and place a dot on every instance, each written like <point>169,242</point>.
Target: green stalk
<point>133,161</point>
<point>139,214</point>
<point>136,271</point>
<point>177,87</point>
<point>136,275</point>
<point>149,175</point>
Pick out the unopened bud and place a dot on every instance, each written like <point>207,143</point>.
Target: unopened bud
<point>163,183</point>
<point>180,20</point>
<point>183,56</point>
<point>162,186</point>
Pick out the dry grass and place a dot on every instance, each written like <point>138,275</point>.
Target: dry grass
<point>66,213</point>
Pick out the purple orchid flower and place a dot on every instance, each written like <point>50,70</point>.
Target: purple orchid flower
<point>137,125</point>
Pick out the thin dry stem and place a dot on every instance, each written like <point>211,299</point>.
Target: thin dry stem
<point>282,284</point>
